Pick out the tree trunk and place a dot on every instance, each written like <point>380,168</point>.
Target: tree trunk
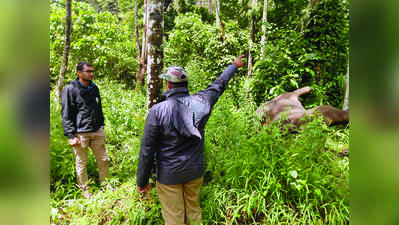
<point>346,98</point>
<point>67,46</point>
<point>143,59</point>
<point>252,38</point>
<point>217,14</point>
<point>251,41</point>
<point>117,8</point>
<point>136,28</point>
<point>305,18</point>
<point>264,21</point>
<point>155,51</point>
<point>210,6</point>
<point>145,22</point>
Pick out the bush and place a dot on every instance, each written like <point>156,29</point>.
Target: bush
<point>316,58</point>
<point>200,48</point>
<point>98,38</point>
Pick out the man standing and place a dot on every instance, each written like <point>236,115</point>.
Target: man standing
<point>83,122</point>
<point>174,134</point>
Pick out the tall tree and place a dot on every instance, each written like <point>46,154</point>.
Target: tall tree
<point>143,59</point>
<point>346,96</point>
<point>264,21</point>
<point>252,37</point>
<point>155,51</point>
<point>116,8</point>
<point>136,29</point>
<point>67,46</point>
<point>217,12</point>
<point>306,16</point>
<point>210,6</point>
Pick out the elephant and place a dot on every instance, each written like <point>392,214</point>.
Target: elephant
<point>288,107</point>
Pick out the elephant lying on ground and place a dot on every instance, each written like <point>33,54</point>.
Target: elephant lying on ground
<point>288,107</point>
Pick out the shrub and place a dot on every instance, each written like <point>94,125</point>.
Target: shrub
<point>98,38</point>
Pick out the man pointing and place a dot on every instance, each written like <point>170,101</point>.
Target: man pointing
<point>174,137</point>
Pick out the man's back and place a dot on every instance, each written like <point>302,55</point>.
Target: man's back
<point>174,133</point>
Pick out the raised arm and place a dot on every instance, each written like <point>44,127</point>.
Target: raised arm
<point>216,89</point>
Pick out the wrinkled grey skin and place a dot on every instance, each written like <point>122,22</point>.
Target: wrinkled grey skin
<point>288,108</point>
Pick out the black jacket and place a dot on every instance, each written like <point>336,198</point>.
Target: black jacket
<point>81,109</point>
<point>174,133</point>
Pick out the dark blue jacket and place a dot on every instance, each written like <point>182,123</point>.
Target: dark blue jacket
<point>81,109</point>
<point>174,133</point>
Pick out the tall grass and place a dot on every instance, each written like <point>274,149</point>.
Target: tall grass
<point>254,175</point>
<point>271,175</point>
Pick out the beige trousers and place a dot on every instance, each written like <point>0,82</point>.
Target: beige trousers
<point>180,202</point>
<point>96,141</point>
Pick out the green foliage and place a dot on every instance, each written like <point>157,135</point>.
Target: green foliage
<point>98,38</point>
<point>169,18</point>
<point>237,10</point>
<point>284,67</point>
<point>316,58</point>
<point>194,42</point>
<point>254,175</point>
<point>271,176</point>
<point>328,34</point>
<point>109,206</point>
<point>285,13</point>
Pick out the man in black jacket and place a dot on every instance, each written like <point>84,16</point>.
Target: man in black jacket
<point>174,134</point>
<point>83,122</point>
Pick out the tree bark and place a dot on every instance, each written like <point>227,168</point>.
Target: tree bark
<point>155,51</point>
<point>145,22</point>
<point>67,46</point>
<point>264,21</point>
<point>136,28</point>
<point>346,98</point>
<point>217,14</point>
<point>305,18</point>
<point>117,8</point>
<point>252,38</point>
<point>143,59</point>
<point>210,6</point>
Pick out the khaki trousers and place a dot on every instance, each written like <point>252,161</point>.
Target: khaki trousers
<point>180,202</point>
<point>96,141</point>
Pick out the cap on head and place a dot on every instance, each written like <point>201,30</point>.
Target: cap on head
<point>175,74</point>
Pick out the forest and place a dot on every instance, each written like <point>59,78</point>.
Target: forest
<point>254,174</point>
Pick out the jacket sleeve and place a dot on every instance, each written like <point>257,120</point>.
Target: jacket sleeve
<point>149,146</point>
<point>216,89</point>
<point>101,112</point>
<point>68,113</point>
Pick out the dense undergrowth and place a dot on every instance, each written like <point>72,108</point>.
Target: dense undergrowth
<point>254,175</point>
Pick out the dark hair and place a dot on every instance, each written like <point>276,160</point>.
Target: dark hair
<point>178,84</point>
<point>80,66</point>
